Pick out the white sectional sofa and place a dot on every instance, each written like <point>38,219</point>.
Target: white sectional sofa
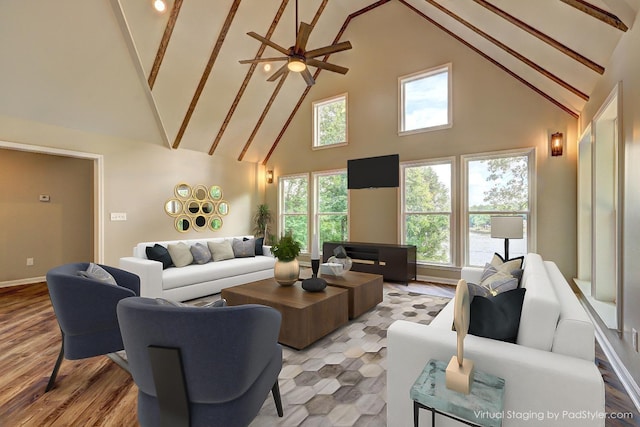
<point>550,375</point>
<point>195,280</point>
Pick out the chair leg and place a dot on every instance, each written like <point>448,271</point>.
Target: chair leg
<point>54,374</point>
<point>277,399</point>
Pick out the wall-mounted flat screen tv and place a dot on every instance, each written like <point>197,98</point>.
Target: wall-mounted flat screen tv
<point>374,172</point>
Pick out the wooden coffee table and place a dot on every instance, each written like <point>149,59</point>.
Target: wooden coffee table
<point>306,316</point>
<point>365,289</point>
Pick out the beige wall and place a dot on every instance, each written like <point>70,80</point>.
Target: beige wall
<point>138,179</point>
<point>492,111</point>
<point>51,233</point>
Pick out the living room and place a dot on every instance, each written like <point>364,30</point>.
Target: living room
<point>134,172</point>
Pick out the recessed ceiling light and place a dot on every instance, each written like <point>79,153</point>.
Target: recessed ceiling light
<point>267,67</point>
<point>160,5</point>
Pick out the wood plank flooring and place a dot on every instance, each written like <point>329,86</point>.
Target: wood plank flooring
<point>96,391</point>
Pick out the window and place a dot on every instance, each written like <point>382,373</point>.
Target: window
<point>425,100</point>
<point>330,122</point>
<point>497,184</point>
<point>331,206</point>
<point>426,209</point>
<point>294,205</point>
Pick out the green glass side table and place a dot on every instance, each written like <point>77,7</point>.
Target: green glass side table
<point>483,406</point>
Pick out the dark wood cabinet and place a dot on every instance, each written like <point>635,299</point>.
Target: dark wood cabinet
<point>397,263</point>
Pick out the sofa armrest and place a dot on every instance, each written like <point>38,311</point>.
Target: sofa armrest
<point>472,274</point>
<point>150,273</point>
<point>558,389</point>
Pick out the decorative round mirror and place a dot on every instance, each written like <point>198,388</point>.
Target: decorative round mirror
<point>193,207</point>
<point>173,207</point>
<point>200,192</point>
<point>215,192</point>
<point>183,224</point>
<point>215,223</point>
<point>207,207</point>
<point>183,191</point>
<point>200,221</point>
<point>223,208</point>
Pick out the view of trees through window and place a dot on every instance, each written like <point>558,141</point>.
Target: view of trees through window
<point>332,207</point>
<point>330,121</point>
<point>427,211</point>
<point>496,186</point>
<point>294,200</point>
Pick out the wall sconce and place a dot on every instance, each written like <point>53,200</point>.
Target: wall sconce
<point>556,144</point>
<point>270,176</point>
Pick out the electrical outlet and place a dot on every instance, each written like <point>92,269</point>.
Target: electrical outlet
<point>634,338</point>
<point>29,261</point>
<point>118,216</point>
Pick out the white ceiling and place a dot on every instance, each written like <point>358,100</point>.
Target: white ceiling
<point>85,64</point>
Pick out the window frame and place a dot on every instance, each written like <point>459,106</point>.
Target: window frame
<point>452,213</point>
<point>281,213</point>
<point>315,227</point>
<point>316,125</point>
<point>531,217</point>
<point>421,75</point>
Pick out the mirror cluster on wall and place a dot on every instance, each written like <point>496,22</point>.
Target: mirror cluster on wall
<point>199,207</point>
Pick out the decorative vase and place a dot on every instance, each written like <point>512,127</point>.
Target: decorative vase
<point>286,272</point>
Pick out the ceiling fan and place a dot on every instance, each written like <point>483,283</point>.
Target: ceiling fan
<point>298,59</point>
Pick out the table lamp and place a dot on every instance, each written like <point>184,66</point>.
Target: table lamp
<point>506,227</point>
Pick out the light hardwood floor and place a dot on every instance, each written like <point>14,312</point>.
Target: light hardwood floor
<point>96,391</point>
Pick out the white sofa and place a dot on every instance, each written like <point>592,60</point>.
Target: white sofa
<point>195,280</point>
<point>550,375</point>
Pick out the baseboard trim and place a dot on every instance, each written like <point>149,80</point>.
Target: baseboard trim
<point>29,281</point>
<point>435,279</point>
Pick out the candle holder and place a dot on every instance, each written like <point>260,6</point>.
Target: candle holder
<point>315,283</point>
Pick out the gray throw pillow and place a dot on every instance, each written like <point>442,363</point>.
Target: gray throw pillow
<point>180,254</point>
<point>221,250</point>
<point>201,253</point>
<point>215,304</point>
<point>244,249</point>
<point>95,272</point>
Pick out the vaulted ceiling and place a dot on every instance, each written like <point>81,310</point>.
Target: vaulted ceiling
<point>122,68</point>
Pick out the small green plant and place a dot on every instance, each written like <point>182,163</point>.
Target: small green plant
<point>287,248</point>
<point>261,220</point>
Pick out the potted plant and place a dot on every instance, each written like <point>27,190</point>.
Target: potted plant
<point>287,268</point>
<point>262,220</point>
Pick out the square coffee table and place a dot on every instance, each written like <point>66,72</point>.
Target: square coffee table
<point>306,316</point>
<point>365,289</point>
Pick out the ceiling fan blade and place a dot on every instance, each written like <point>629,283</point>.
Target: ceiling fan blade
<point>282,70</point>
<point>268,42</point>
<point>303,36</point>
<point>327,66</point>
<point>306,75</point>
<point>328,49</point>
<point>258,60</point>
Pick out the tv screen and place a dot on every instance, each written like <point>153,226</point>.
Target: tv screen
<point>374,172</point>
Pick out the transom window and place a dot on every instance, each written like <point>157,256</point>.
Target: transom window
<point>294,207</point>
<point>330,122</point>
<point>425,100</point>
<point>331,206</point>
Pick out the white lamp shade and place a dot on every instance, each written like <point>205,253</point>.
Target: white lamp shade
<point>506,227</point>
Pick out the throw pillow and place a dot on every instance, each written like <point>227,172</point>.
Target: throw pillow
<point>244,248</point>
<point>180,254</point>
<point>517,273</point>
<point>507,266</point>
<point>497,281</point>
<point>159,253</point>
<point>95,272</point>
<point>221,250</point>
<point>259,242</point>
<point>475,290</point>
<point>219,303</point>
<point>497,318</point>
<point>201,253</point>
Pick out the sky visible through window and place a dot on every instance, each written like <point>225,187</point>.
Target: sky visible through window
<point>426,102</point>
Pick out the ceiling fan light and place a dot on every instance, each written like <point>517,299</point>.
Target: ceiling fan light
<point>296,65</point>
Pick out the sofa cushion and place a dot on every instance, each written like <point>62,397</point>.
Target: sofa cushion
<point>180,254</point>
<point>497,317</point>
<point>497,281</point>
<point>221,251</point>
<point>159,253</point>
<point>508,266</point>
<point>244,248</point>
<point>201,253</point>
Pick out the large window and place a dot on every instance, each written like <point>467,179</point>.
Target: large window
<point>331,206</point>
<point>497,184</point>
<point>425,100</point>
<point>426,207</point>
<point>330,122</point>
<point>294,207</point>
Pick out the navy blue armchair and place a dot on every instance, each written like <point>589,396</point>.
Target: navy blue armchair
<point>86,311</point>
<point>198,366</point>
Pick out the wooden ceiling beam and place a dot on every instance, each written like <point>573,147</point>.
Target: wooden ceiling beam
<point>164,42</point>
<point>207,71</point>
<point>542,36</point>
<point>243,87</point>
<point>510,51</point>
<point>596,12</point>
<point>276,91</point>
<point>315,76</point>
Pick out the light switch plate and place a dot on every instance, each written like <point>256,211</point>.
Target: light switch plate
<point>118,216</point>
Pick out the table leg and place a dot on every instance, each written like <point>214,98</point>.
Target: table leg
<point>416,409</point>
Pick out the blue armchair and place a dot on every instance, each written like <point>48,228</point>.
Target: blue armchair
<point>201,366</point>
<point>86,311</point>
